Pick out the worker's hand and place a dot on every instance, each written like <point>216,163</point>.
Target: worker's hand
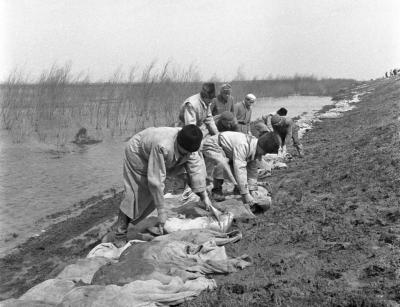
<point>161,229</point>
<point>162,218</point>
<point>207,202</point>
<point>248,199</point>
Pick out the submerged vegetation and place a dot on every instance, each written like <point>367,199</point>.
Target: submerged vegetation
<point>56,105</point>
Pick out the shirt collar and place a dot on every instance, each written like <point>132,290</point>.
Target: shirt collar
<point>202,102</point>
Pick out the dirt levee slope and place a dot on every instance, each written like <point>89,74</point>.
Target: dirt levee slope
<point>332,236</point>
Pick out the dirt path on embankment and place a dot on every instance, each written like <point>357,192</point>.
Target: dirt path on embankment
<point>332,236</point>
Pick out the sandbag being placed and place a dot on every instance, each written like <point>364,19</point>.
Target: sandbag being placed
<point>205,222</point>
<point>240,211</point>
<point>200,236</point>
<point>262,198</point>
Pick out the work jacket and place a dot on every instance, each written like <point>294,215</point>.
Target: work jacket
<point>240,149</point>
<point>219,105</point>
<point>195,111</point>
<point>149,156</point>
<point>243,116</point>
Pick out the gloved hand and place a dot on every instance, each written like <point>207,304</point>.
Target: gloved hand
<point>162,218</point>
<point>248,199</point>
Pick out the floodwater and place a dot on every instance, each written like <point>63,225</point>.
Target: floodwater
<point>34,182</point>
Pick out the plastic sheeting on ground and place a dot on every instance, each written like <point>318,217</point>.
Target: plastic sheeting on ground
<point>83,270</point>
<point>162,260</point>
<point>167,271</point>
<point>139,293</point>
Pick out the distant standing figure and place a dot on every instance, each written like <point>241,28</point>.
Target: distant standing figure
<point>242,112</point>
<point>224,100</point>
<point>196,110</point>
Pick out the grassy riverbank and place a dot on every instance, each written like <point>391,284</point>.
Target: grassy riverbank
<point>331,236</point>
<point>53,108</point>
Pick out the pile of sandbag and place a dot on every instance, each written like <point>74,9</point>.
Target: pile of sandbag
<point>166,271</point>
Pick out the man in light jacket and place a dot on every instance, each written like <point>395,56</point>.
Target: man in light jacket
<point>241,152</point>
<point>149,156</point>
<point>196,110</point>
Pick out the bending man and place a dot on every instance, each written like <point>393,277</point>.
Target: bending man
<point>234,155</point>
<point>285,127</point>
<point>149,156</point>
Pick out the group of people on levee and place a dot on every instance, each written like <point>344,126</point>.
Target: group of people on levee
<point>211,143</point>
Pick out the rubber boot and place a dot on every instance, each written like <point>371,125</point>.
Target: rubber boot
<point>121,229</point>
<point>216,192</point>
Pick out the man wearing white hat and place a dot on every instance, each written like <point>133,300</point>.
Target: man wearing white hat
<point>242,112</point>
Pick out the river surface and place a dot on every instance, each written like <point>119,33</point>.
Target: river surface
<point>35,182</point>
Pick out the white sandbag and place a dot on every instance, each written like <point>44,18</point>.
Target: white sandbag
<point>140,293</point>
<point>50,291</point>
<point>83,269</point>
<point>205,222</point>
<point>262,198</point>
<point>109,250</point>
<point>240,211</point>
<point>200,236</point>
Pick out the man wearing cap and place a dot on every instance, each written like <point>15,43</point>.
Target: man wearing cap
<point>241,152</point>
<point>149,156</point>
<point>196,110</point>
<point>224,101</point>
<point>242,112</point>
<point>285,127</point>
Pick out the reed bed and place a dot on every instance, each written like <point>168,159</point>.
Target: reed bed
<point>54,107</point>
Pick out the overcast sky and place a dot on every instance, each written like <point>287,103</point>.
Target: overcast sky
<point>328,38</point>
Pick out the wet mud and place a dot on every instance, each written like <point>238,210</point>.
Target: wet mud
<point>331,236</point>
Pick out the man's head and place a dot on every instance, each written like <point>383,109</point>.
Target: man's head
<point>249,100</point>
<point>226,90</point>
<point>261,128</point>
<point>282,112</point>
<point>207,92</point>
<point>269,142</point>
<point>189,138</point>
<point>226,122</point>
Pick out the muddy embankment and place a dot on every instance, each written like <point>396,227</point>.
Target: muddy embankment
<point>331,237</point>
